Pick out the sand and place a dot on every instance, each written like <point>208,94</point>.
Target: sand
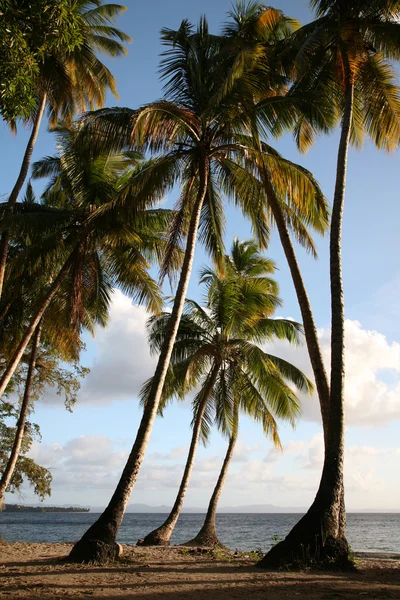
<point>36,571</point>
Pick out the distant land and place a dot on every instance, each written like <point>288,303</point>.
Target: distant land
<point>141,508</point>
<point>246,509</point>
<point>251,508</point>
<point>43,508</point>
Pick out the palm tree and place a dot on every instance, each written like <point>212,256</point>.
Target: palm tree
<point>55,333</point>
<point>212,344</point>
<point>259,36</point>
<point>69,80</point>
<point>196,128</point>
<point>99,231</point>
<point>346,50</point>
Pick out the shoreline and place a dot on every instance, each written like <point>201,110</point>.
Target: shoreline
<point>36,571</point>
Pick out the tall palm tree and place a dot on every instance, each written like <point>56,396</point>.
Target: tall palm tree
<point>69,81</point>
<point>347,50</point>
<point>99,231</point>
<point>213,343</point>
<point>196,128</point>
<point>259,36</point>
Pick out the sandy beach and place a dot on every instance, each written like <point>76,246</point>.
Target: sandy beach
<point>33,571</point>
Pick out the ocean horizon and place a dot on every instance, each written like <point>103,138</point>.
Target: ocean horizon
<point>366,532</point>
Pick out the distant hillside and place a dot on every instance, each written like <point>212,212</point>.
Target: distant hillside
<point>252,508</point>
<point>47,509</point>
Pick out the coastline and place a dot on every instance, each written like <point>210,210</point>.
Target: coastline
<point>33,571</point>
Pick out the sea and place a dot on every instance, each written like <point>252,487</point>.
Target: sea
<point>375,532</point>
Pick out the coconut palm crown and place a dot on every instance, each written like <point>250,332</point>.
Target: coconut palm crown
<point>100,228</point>
<point>71,80</point>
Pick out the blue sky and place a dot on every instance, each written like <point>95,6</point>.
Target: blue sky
<point>86,450</point>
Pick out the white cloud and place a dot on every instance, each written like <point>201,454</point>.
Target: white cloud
<point>177,452</point>
<point>88,467</point>
<point>84,462</point>
<point>122,360</point>
<point>292,479</point>
<point>121,357</point>
<point>372,387</point>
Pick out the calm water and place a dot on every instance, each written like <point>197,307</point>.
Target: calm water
<point>366,532</point>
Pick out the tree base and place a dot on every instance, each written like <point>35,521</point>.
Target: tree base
<point>158,537</point>
<point>94,552</point>
<point>303,552</point>
<point>206,539</point>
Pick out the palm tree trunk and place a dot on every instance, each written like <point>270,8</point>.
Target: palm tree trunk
<point>320,535</point>
<point>336,414</point>
<point>207,536</point>
<point>98,544</point>
<point>18,185</point>
<point>161,536</point>
<point>19,434</point>
<point>16,357</point>
<point>310,329</point>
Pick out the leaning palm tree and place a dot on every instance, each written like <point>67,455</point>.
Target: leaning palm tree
<point>196,128</point>
<point>346,50</point>
<point>71,80</point>
<point>55,333</point>
<point>213,346</point>
<point>99,231</point>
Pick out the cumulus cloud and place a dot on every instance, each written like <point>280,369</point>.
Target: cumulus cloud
<point>177,452</point>
<point>292,479</point>
<point>372,389</point>
<point>121,357</point>
<point>122,361</point>
<point>84,462</point>
<point>94,462</point>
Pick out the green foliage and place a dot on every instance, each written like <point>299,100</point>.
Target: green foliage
<point>353,42</point>
<point>49,46</point>
<point>26,468</point>
<point>275,540</point>
<point>51,373</point>
<point>227,335</point>
<point>256,554</point>
<point>29,33</point>
<point>206,113</point>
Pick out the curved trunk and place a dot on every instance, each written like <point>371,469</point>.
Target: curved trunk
<point>18,185</point>
<point>19,434</point>
<point>320,535</point>
<point>162,535</point>
<point>16,357</point>
<point>99,542</point>
<point>310,329</point>
<point>207,536</point>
